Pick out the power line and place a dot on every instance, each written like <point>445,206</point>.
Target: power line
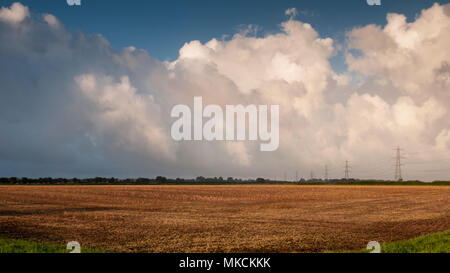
<point>375,169</point>
<point>429,162</point>
<point>441,170</point>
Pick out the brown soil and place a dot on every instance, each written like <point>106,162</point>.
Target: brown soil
<point>222,218</point>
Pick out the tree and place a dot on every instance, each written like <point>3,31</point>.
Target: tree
<point>161,179</point>
<point>260,180</point>
<point>200,179</point>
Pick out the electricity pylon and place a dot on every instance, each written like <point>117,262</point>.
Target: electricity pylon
<point>398,166</point>
<point>347,171</point>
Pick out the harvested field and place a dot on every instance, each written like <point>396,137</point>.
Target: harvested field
<point>222,218</point>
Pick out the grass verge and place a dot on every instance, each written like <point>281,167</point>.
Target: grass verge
<point>432,243</point>
<point>22,246</point>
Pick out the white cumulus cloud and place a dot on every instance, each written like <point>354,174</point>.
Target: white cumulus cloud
<point>14,14</point>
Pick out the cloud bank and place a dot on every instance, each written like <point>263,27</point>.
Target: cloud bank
<point>73,106</point>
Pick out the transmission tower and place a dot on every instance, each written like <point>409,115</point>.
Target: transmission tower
<point>398,165</point>
<point>347,171</point>
<point>326,172</point>
<point>296,176</point>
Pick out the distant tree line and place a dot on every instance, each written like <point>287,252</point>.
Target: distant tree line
<point>161,180</point>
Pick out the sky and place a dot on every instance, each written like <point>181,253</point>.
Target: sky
<point>87,90</point>
<point>162,27</point>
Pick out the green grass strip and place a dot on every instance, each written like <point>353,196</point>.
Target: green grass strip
<point>22,246</point>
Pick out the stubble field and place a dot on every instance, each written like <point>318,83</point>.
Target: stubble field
<point>222,218</point>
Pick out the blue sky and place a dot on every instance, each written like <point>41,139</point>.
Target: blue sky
<point>162,27</point>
